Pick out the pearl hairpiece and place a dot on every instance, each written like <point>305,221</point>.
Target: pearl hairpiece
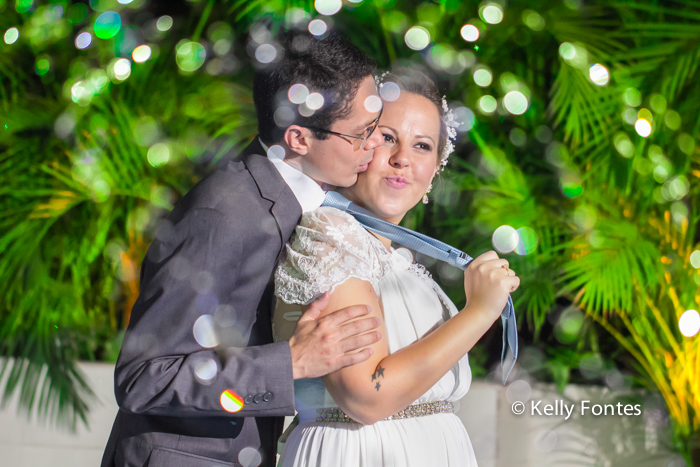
<point>448,118</point>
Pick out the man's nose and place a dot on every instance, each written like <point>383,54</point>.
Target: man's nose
<point>376,139</point>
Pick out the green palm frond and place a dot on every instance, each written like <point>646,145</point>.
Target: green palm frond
<point>585,110</point>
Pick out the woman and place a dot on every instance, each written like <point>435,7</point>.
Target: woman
<point>395,409</point>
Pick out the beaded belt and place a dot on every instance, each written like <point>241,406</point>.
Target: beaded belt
<point>335,414</point>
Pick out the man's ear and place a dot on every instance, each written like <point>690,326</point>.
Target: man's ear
<point>297,138</point>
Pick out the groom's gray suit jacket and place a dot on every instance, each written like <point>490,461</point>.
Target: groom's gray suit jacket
<point>213,258</point>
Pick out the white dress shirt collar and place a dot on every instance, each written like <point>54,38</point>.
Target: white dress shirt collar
<point>307,192</point>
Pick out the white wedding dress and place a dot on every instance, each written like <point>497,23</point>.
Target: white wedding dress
<point>329,247</point>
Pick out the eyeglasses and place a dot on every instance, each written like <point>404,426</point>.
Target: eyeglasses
<point>360,139</point>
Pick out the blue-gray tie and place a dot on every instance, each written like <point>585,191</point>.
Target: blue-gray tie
<point>433,248</point>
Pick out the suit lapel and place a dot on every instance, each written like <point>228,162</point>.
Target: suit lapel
<point>285,207</point>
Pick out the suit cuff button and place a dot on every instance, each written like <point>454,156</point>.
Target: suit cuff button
<point>248,399</point>
<point>258,398</point>
<point>267,397</point>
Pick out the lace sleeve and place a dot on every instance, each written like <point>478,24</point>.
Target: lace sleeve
<point>328,248</point>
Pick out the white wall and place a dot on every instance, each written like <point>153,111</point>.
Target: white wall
<point>500,438</point>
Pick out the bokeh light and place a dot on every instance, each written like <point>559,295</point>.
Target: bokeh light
<point>389,91</point>
<point>518,390</point>
<point>83,40</point>
<point>672,120</point>
<point>23,6</point>
<point>643,127</point>
<point>567,51</point>
<point>328,7</point>
<point>632,97</point>
<point>686,144</point>
<point>569,325</point>
<point>141,53</point>
<point>533,20</point>
<point>98,78</point>
<point>515,102</point>
<point>689,323</point>
<point>624,145</point>
<point>675,188</point>
<point>164,23</point>
<point>318,27</point>
<point>158,154</point>
<point>543,134</point>
<point>528,241</point>
<point>297,93</point>
<point>571,185</point>
<point>42,66</point>
<point>284,116</point>
<point>265,53</point>
<point>483,77</point>
<point>121,69</point>
<point>260,33</point>
<point>276,152</point>
<point>645,114</point>
<point>296,16</point>
<point>505,239</point>
<point>314,101</point>
<point>251,457</point>
<point>491,13</point>
<point>509,82</point>
<point>11,36</point>
<point>107,25</point>
<point>487,104</point>
<point>629,115</point>
<point>206,370</point>
<point>695,259</point>
<point>658,103</point>
<point>465,117</point>
<point>599,74</point>
<point>443,57</point>
<point>230,401</point>
<point>204,331</point>
<point>469,32</point>
<point>222,47</point>
<point>190,55</point>
<point>304,110</point>
<point>82,93</point>
<point>417,38</point>
<point>518,137</point>
<point>64,125</point>
<point>373,104</point>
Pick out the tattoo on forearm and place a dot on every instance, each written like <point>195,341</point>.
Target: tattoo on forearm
<point>377,374</point>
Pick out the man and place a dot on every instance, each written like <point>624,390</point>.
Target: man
<point>198,380</point>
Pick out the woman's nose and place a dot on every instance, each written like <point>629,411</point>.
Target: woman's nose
<point>399,158</point>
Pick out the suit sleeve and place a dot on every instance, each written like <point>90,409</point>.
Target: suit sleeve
<point>185,345</point>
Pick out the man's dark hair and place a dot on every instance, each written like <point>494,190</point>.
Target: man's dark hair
<point>332,67</point>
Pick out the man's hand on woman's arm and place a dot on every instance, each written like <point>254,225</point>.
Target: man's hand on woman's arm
<point>323,345</point>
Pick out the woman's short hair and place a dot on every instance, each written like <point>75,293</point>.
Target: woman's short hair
<point>417,82</point>
<point>331,66</point>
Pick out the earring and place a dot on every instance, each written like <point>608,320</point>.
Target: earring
<point>425,196</point>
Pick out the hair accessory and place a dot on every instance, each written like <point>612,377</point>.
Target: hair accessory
<point>451,123</point>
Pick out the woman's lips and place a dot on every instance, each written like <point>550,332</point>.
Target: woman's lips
<point>396,182</point>
<point>363,167</point>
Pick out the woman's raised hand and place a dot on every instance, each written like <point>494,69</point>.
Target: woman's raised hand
<point>487,284</point>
